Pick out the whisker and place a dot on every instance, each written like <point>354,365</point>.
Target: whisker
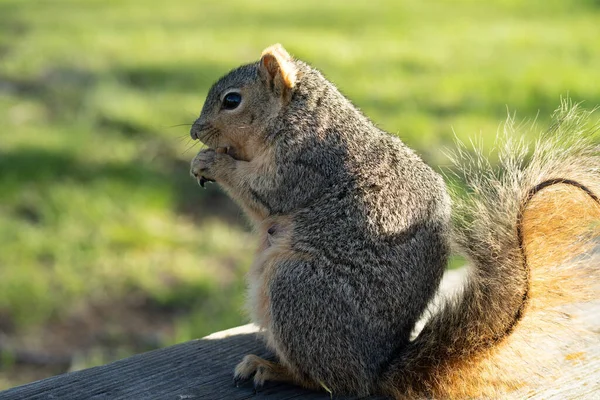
<point>183,137</point>
<point>210,134</point>
<point>206,126</point>
<point>175,126</point>
<point>190,147</point>
<point>207,131</point>
<point>213,134</point>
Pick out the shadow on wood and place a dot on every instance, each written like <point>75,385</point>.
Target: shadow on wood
<point>199,369</point>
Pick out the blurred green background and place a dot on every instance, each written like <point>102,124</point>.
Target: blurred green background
<point>108,248</point>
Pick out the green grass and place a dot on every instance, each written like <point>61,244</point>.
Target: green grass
<point>96,205</point>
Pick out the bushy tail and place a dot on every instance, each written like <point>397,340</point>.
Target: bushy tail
<point>529,229</point>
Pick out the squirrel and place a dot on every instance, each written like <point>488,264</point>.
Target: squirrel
<point>356,231</point>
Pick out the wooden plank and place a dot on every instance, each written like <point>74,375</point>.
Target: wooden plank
<point>199,369</point>
<point>202,369</point>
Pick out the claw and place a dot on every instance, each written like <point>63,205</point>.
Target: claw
<point>258,387</point>
<point>240,380</point>
<point>203,180</point>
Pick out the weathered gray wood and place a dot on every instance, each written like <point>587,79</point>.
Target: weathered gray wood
<point>202,369</point>
<point>199,369</point>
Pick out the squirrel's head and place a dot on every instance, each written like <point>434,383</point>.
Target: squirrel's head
<point>240,106</point>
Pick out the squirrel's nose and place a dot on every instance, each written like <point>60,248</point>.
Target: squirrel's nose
<point>194,130</point>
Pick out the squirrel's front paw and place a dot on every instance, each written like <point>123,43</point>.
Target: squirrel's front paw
<point>205,166</point>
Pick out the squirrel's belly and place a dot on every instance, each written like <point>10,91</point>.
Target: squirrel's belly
<point>274,247</point>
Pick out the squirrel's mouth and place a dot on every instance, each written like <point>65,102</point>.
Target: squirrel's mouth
<point>204,132</point>
<point>231,151</point>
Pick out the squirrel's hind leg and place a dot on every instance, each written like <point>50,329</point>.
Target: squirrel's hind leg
<point>263,370</point>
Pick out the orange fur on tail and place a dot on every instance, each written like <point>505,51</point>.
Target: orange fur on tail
<point>558,226</point>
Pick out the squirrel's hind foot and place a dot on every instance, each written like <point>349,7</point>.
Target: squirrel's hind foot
<point>261,371</point>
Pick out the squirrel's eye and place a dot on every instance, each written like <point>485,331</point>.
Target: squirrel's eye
<point>232,100</point>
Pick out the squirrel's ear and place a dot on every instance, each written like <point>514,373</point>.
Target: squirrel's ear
<point>278,68</point>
